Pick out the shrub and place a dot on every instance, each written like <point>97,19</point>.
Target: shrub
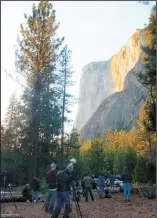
<point>141,169</point>
<point>151,171</point>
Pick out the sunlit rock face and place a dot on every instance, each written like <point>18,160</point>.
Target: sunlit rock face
<point>110,95</point>
<point>120,110</point>
<point>125,60</point>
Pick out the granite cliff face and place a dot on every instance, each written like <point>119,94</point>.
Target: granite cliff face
<point>120,110</point>
<point>96,84</point>
<point>110,95</point>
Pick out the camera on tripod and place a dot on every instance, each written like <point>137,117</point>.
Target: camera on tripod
<point>4,173</point>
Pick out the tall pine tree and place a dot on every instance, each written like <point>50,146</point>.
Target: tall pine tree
<point>36,58</point>
<point>65,70</point>
<point>12,122</point>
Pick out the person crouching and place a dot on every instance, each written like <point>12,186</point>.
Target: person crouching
<point>26,193</point>
<point>107,195</point>
<point>64,179</point>
<point>51,179</point>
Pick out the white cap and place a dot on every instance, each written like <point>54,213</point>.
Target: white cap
<point>70,167</point>
<point>73,160</point>
<point>53,166</point>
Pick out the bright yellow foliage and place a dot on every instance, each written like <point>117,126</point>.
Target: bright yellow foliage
<point>143,116</point>
<point>142,141</point>
<point>86,146</point>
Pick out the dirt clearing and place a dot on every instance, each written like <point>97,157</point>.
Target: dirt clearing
<point>114,207</point>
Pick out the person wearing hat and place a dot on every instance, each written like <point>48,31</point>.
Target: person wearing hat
<point>51,180</point>
<point>64,179</point>
<point>73,161</point>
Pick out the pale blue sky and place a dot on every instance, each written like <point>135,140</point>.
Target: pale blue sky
<point>94,31</point>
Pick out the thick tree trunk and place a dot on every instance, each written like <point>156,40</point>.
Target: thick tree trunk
<point>63,110</point>
<point>35,128</point>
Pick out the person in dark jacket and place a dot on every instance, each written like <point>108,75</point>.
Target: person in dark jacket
<point>94,185</point>
<point>51,179</point>
<point>88,187</point>
<point>126,178</point>
<point>35,186</point>
<point>64,179</point>
<point>26,193</point>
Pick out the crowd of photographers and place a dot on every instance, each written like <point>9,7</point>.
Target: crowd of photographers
<point>64,187</point>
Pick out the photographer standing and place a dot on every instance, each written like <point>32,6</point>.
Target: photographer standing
<point>126,178</point>
<point>35,185</point>
<point>51,179</point>
<point>64,179</point>
<point>88,187</point>
<point>101,185</point>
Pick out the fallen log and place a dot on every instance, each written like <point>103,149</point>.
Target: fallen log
<point>12,199</point>
<point>11,215</point>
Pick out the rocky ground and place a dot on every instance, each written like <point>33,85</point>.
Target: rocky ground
<point>114,207</point>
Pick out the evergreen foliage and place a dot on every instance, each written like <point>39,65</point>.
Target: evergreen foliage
<point>141,170</point>
<point>36,121</point>
<point>148,76</point>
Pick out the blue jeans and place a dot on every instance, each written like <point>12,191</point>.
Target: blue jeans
<point>62,198</point>
<point>35,195</point>
<point>101,191</point>
<point>127,191</point>
<point>52,195</point>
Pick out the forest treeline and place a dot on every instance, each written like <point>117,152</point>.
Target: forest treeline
<point>31,133</point>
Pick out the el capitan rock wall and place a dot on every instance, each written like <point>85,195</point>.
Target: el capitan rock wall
<point>110,94</point>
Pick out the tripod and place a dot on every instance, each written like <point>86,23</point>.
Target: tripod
<point>79,213</point>
<point>4,186</point>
